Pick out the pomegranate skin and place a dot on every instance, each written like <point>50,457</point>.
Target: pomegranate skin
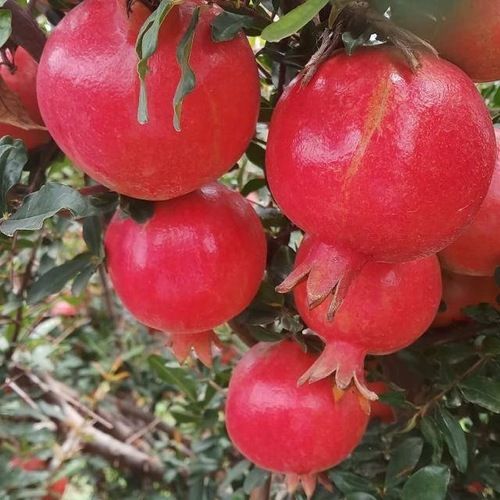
<point>22,81</point>
<point>286,428</point>
<point>381,164</point>
<point>194,265</point>
<point>386,308</point>
<point>463,291</point>
<point>88,78</point>
<point>477,251</point>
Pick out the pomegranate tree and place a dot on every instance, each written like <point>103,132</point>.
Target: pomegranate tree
<point>297,431</point>
<point>477,251</point>
<point>387,307</point>
<point>88,90</point>
<point>196,263</point>
<point>376,161</point>
<point>20,78</point>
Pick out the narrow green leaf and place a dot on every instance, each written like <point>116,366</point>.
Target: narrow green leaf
<point>45,203</point>
<point>482,391</point>
<point>82,279</point>
<point>433,437</point>
<point>454,438</point>
<point>92,234</point>
<point>5,25</point>
<point>428,483</point>
<point>255,478</point>
<point>176,377</point>
<point>293,21</point>
<point>403,460</point>
<point>347,482</point>
<point>145,47</point>
<point>53,281</point>
<point>360,496</point>
<point>13,158</point>
<point>253,185</point>
<point>256,154</point>
<point>227,25</point>
<point>187,82</point>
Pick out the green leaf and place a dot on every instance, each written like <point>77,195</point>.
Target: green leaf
<point>255,478</point>
<point>92,234</point>
<point>82,279</point>
<point>188,79</point>
<point>139,210</point>
<point>360,496</point>
<point>403,460</point>
<point>13,158</point>
<point>54,280</point>
<point>145,47</point>
<point>454,438</point>
<point>256,154</point>
<point>428,483</point>
<point>293,21</point>
<point>227,25</point>
<point>176,377</point>
<point>347,482</point>
<point>433,437</point>
<point>45,203</point>
<point>482,391</point>
<point>5,25</point>
<point>253,185</point>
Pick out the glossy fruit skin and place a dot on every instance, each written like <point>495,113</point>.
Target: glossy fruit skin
<point>285,428</point>
<point>466,33</point>
<point>381,163</point>
<point>194,265</point>
<point>477,251</point>
<point>22,81</point>
<point>88,78</point>
<point>463,291</point>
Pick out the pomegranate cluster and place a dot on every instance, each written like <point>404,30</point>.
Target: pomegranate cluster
<point>380,166</point>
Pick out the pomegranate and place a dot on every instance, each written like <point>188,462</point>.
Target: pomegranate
<point>379,167</point>
<point>297,431</point>
<point>88,79</point>
<point>381,411</point>
<point>477,251</point>
<point>194,265</point>
<point>21,79</point>
<point>466,32</point>
<point>387,307</point>
<point>463,291</point>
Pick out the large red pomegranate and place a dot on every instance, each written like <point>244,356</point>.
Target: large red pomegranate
<point>464,291</point>
<point>387,307</point>
<point>477,251</point>
<point>297,431</point>
<point>88,90</point>
<point>196,263</point>
<point>377,161</point>
<point>466,32</point>
<point>21,80</point>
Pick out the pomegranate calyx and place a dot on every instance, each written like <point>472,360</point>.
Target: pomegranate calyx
<point>181,345</point>
<point>308,482</point>
<point>329,270</point>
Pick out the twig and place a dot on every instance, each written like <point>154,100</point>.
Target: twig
<point>141,432</point>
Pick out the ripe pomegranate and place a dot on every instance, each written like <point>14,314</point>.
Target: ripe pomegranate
<point>466,32</point>
<point>297,431</point>
<point>21,79</point>
<point>477,251</point>
<point>387,307</point>
<point>194,265</point>
<point>463,291</point>
<point>55,490</point>
<point>88,79</point>
<point>376,162</point>
<point>381,411</point>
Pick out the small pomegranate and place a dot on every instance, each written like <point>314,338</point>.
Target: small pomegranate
<point>297,431</point>
<point>375,161</point>
<point>21,79</point>
<point>477,251</point>
<point>464,291</point>
<point>196,263</point>
<point>466,32</point>
<point>387,307</point>
<point>381,411</point>
<point>88,79</point>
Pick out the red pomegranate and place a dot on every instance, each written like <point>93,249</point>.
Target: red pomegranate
<point>378,410</point>
<point>477,251</point>
<point>466,32</point>
<point>464,291</point>
<point>376,162</point>
<point>387,307</point>
<point>297,431</point>
<point>194,265</point>
<point>21,79</point>
<point>88,79</point>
